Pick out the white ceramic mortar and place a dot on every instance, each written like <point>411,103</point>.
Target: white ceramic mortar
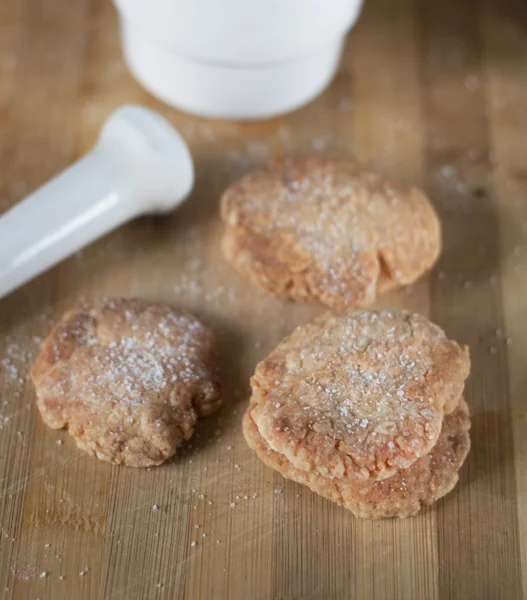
<point>235,59</point>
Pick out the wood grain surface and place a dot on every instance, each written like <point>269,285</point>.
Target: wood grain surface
<point>429,92</point>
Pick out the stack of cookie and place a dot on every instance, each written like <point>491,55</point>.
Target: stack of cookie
<point>366,409</point>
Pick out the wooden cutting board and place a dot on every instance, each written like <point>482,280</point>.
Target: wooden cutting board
<point>429,92</point>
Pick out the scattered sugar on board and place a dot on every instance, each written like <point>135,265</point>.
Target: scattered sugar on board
<point>239,162</point>
<point>198,131</point>
<point>345,104</point>
<point>15,364</point>
<point>18,358</point>
<point>472,82</point>
<point>321,144</point>
<point>190,286</point>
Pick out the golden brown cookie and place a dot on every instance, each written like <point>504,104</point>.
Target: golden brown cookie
<point>315,229</point>
<point>128,379</point>
<point>402,495</point>
<point>358,395</point>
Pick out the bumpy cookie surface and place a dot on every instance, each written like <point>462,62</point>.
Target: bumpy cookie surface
<point>128,379</point>
<point>402,495</point>
<point>359,395</point>
<point>315,229</point>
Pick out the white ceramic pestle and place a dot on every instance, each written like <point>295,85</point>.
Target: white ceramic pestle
<point>139,165</point>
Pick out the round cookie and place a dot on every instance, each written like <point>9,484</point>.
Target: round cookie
<point>315,229</point>
<point>402,495</point>
<point>128,379</point>
<point>359,395</point>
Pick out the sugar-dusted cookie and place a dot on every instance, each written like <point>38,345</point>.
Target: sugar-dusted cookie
<point>402,495</point>
<point>316,229</point>
<point>359,395</point>
<point>127,379</point>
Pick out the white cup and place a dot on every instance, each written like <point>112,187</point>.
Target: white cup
<point>235,59</point>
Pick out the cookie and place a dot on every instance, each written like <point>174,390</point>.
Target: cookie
<point>127,379</point>
<point>359,395</point>
<point>315,229</point>
<point>402,495</point>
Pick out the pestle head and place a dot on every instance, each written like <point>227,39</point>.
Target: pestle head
<point>148,157</point>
